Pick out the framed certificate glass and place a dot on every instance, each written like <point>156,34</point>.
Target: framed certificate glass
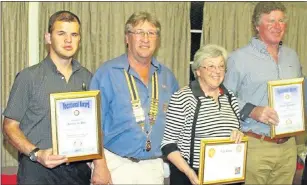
<point>287,99</point>
<point>222,161</point>
<point>75,125</point>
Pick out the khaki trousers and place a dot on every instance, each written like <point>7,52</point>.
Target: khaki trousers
<point>270,163</point>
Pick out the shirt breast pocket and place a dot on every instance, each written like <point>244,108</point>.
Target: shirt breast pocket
<point>40,102</point>
<point>164,97</point>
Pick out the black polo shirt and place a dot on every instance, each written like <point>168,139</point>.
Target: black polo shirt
<point>29,100</point>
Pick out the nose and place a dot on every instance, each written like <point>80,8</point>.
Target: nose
<point>217,69</point>
<point>145,37</point>
<point>68,39</point>
<point>277,25</point>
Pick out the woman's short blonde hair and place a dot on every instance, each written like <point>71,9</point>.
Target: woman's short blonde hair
<point>205,52</point>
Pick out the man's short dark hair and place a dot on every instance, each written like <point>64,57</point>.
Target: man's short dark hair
<point>64,16</point>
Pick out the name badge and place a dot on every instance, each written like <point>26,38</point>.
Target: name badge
<point>138,113</point>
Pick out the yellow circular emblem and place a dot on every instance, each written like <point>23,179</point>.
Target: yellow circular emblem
<point>211,152</point>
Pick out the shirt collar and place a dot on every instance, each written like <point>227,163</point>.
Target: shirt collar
<point>260,46</point>
<point>197,91</point>
<point>75,64</point>
<point>124,64</point>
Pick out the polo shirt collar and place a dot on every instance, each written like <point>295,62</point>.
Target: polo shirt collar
<point>197,91</point>
<point>259,45</point>
<point>75,64</point>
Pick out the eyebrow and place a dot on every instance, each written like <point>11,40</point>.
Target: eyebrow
<point>145,30</point>
<point>222,61</point>
<point>61,31</point>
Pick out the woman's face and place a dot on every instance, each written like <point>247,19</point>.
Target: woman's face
<point>211,73</point>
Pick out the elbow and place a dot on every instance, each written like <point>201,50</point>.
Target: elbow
<point>169,148</point>
<point>5,126</point>
<point>8,126</point>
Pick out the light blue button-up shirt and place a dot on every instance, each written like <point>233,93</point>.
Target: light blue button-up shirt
<point>122,135</point>
<point>248,71</point>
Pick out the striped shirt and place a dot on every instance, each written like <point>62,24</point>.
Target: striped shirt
<point>214,120</point>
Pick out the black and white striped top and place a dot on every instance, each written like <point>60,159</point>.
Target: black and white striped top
<point>214,120</point>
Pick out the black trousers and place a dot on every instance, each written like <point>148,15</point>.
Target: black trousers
<point>77,173</point>
<point>179,178</point>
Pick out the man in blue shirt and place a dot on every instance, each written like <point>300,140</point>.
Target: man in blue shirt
<point>269,161</point>
<point>135,91</point>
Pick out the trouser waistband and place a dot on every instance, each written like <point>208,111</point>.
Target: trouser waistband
<point>266,138</point>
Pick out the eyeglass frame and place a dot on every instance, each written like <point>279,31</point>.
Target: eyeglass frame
<point>142,33</point>
<point>213,68</point>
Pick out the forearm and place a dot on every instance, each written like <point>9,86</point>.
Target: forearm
<point>16,137</point>
<point>176,158</point>
<point>100,163</point>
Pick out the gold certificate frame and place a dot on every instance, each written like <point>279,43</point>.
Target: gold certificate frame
<point>75,125</point>
<point>286,97</point>
<point>222,161</point>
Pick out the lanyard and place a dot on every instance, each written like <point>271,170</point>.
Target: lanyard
<point>137,107</point>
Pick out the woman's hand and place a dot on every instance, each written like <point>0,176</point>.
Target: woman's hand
<point>192,176</point>
<point>236,136</point>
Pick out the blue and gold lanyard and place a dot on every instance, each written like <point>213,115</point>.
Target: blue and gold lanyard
<point>137,107</point>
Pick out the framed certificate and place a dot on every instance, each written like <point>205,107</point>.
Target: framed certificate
<point>75,125</point>
<point>287,99</point>
<point>222,161</point>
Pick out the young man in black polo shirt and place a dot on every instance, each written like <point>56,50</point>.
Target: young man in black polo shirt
<point>27,115</point>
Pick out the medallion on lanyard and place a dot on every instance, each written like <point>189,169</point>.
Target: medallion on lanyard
<point>148,145</point>
<point>148,142</point>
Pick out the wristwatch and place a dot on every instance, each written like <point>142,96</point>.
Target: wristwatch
<point>32,155</point>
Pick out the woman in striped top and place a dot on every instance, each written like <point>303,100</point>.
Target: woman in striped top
<point>218,115</point>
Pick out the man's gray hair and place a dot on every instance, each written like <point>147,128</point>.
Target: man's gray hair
<point>140,17</point>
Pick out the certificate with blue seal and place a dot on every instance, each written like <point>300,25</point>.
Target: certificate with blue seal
<point>76,125</point>
<point>287,99</point>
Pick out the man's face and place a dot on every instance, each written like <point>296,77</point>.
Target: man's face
<point>142,46</point>
<point>272,27</point>
<point>64,39</point>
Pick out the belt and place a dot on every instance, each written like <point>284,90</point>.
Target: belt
<point>138,160</point>
<point>266,138</point>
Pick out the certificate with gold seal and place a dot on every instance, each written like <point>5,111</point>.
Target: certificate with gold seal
<point>75,125</point>
<point>287,99</point>
<point>222,161</point>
